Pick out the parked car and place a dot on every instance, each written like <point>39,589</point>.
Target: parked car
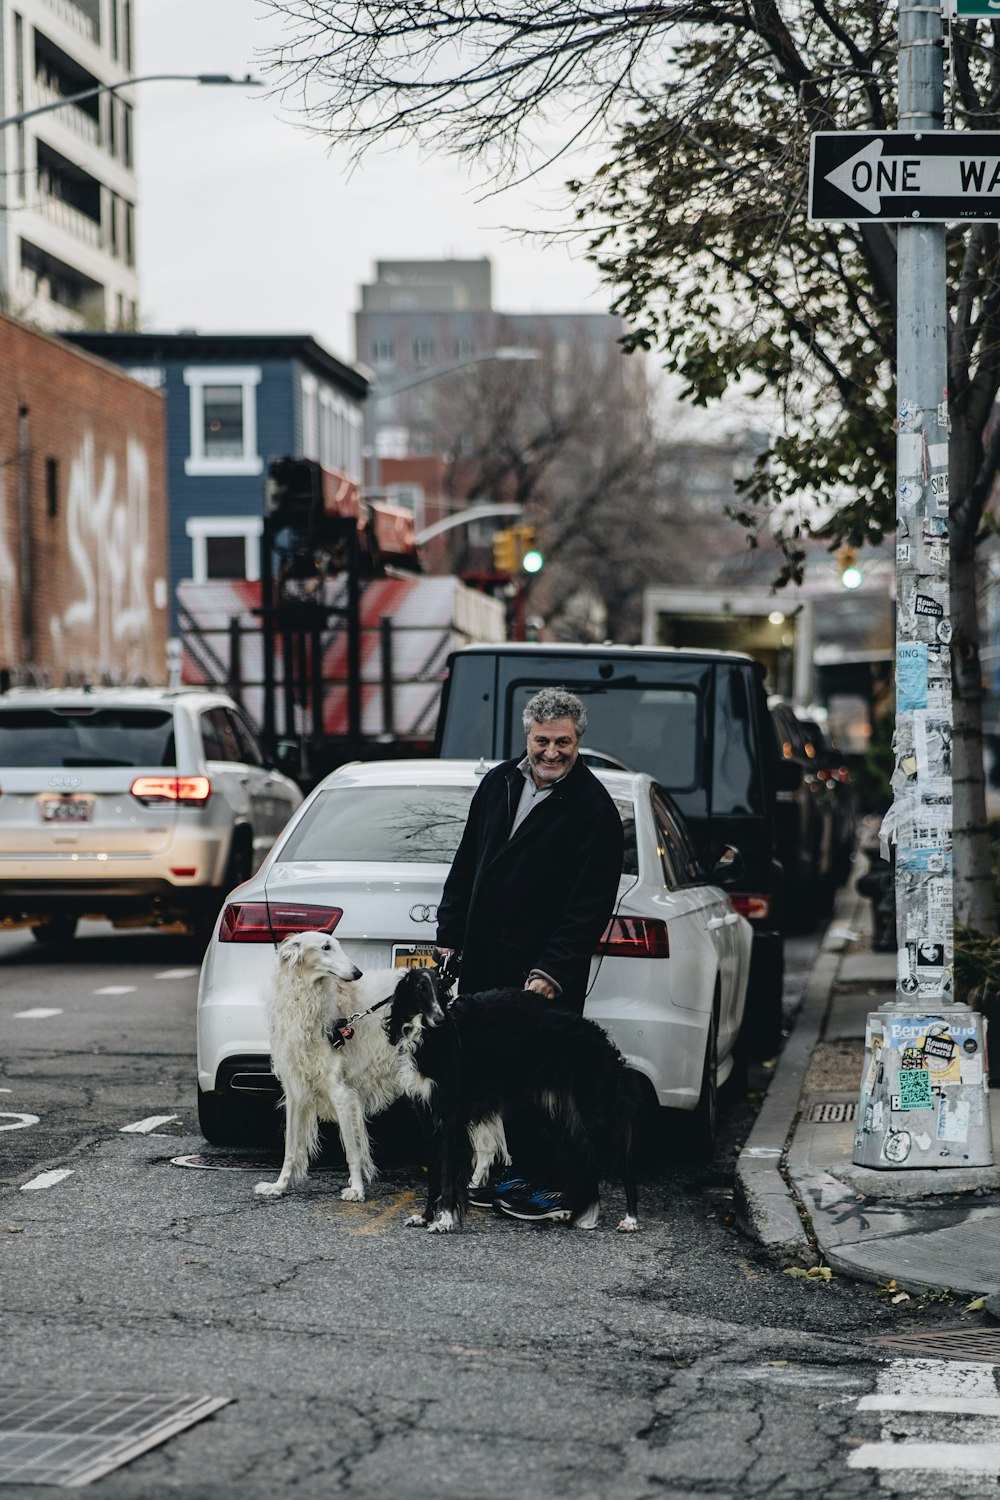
<point>834,773</point>
<point>696,721</point>
<point>366,858</point>
<point>142,806</point>
<point>805,826</point>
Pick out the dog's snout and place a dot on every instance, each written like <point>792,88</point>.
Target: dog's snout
<point>357,974</point>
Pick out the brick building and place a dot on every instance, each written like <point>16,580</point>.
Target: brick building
<point>83,552</point>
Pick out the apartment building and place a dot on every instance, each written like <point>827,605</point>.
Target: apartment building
<point>67,213</point>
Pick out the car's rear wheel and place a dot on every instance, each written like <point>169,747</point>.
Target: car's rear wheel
<point>53,934</point>
<point>760,1033</point>
<point>700,1126</point>
<point>229,1120</point>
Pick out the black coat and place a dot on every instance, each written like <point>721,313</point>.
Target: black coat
<point>539,900</point>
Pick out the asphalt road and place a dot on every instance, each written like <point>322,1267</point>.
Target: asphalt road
<point>361,1358</point>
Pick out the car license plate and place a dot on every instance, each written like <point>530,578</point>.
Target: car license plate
<point>413,956</point>
<point>67,809</point>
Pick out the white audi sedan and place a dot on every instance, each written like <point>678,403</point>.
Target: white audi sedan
<point>366,856</point>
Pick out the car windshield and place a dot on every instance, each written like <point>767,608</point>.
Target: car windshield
<point>86,737</point>
<point>386,824</point>
<point>400,825</point>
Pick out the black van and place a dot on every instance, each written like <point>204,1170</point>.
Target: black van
<point>697,721</point>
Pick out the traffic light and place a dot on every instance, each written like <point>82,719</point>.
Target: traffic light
<point>531,558</point>
<point>294,494</point>
<point>847,562</point>
<point>506,556</point>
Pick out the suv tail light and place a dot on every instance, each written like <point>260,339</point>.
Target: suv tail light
<point>152,790</point>
<point>635,937</point>
<point>754,908</point>
<point>256,922</point>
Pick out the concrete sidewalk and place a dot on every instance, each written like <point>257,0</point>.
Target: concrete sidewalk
<point>796,1188</point>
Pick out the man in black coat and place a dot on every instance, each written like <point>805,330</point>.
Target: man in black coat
<point>534,882</point>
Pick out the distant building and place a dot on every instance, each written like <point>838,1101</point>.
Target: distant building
<point>83,586</point>
<point>68,220</point>
<point>234,401</point>
<point>429,314</point>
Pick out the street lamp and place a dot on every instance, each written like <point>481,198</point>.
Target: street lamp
<point>378,389</point>
<point>212,79</point>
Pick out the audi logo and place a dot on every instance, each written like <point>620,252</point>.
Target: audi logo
<point>423,913</point>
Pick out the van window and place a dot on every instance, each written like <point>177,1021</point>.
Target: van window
<point>651,728</point>
<point>736,788</point>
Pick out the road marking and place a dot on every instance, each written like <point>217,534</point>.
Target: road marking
<point>949,1389</point>
<point>46,1179</point>
<point>117,989</point>
<point>372,1224</point>
<point>979,1458</point>
<point>37,1014</point>
<point>143,1127</point>
<point>20,1121</point>
<point>176,974</point>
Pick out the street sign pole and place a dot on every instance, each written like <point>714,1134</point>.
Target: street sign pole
<point>924,1100</point>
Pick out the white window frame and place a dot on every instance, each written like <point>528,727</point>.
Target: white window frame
<point>248,378</point>
<point>309,387</point>
<point>200,528</point>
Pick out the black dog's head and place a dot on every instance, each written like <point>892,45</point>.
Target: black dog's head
<point>417,998</point>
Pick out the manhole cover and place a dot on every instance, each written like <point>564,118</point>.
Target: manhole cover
<point>950,1343</point>
<point>56,1438</point>
<point>232,1163</point>
<point>832,1112</point>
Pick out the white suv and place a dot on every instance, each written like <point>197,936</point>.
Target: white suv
<point>141,806</point>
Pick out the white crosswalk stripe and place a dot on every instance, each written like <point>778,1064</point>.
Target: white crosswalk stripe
<point>940,1416</point>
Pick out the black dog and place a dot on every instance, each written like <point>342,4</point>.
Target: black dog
<point>469,1060</point>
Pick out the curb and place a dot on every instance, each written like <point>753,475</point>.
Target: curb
<point>767,1208</point>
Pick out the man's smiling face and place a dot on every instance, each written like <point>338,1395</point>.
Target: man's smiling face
<point>553,747</point>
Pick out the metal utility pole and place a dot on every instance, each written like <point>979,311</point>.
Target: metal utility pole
<point>924,1100</point>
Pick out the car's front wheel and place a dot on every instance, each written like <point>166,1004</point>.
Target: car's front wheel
<point>53,934</point>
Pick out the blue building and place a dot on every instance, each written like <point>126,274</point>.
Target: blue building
<point>234,401</point>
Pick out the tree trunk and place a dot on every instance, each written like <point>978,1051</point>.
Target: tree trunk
<point>973,886</point>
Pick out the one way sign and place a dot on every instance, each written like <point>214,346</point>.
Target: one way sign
<point>934,175</point>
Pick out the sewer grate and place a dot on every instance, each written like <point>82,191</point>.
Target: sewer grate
<point>232,1163</point>
<point>52,1437</point>
<point>832,1113</point>
<point>950,1343</point>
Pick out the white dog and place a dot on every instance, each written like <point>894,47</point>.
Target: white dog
<point>316,984</point>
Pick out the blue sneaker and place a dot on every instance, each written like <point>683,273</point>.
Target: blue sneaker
<point>486,1194</point>
<point>535,1205</point>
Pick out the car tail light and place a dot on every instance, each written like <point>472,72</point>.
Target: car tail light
<point>256,922</point>
<point>635,937</point>
<point>194,790</point>
<point>754,908</point>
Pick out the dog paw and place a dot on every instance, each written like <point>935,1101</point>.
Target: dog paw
<point>628,1225</point>
<point>269,1189</point>
<point>353,1195</point>
<point>416,1221</point>
<point>443,1224</point>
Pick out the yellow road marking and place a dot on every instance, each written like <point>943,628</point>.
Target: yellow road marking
<point>365,1221</point>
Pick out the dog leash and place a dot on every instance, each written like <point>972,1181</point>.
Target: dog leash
<point>342,1031</point>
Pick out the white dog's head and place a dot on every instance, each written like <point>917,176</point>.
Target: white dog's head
<point>316,955</point>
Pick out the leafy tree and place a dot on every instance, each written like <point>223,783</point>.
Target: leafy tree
<point>706,108</point>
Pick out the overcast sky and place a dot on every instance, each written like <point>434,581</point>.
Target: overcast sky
<point>248,224</point>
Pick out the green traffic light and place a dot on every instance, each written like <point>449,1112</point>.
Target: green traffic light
<point>531,562</point>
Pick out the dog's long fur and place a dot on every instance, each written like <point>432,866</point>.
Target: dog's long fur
<point>315,984</point>
<point>471,1059</point>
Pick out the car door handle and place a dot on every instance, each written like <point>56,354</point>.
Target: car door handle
<point>714,922</point>
<point>732,918</point>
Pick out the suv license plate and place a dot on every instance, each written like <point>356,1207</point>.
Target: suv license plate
<point>67,809</point>
<point>413,956</point>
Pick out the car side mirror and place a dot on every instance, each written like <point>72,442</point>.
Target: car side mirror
<point>788,776</point>
<point>288,757</point>
<point>728,868</point>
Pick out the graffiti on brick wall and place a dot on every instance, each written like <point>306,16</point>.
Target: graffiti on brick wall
<point>107,539</point>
